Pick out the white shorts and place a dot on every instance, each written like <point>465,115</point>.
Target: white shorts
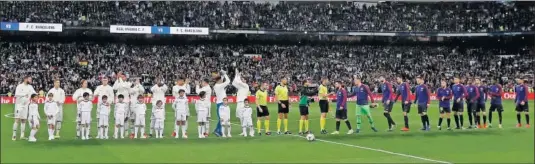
<point>225,121</point>
<point>159,124</point>
<point>103,120</point>
<point>247,121</point>
<point>51,121</point>
<point>239,109</point>
<point>21,111</point>
<point>181,117</point>
<point>119,120</point>
<point>34,121</point>
<point>152,123</point>
<point>140,120</point>
<point>85,117</point>
<point>202,116</point>
<point>59,115</point>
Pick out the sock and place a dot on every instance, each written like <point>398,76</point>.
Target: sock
<point>423,121</point>
<point>127,125</point>
<point>427,121</point>
<point>348,125</point>
<point>185,126</point>
<point>456,117</point>
<point>406,119</point>
<point>161,132</point>
<point>518,118</point>
<point>100,131</point>
<point>142,131</point>
<point>279,121</point>
<point>359,121</point>
<point>461,119</point>
<point>440,121</point>
<point>251,130</point>
<point>448,120</point>
<point>199,129</point>
<point>82,132</point>
<point>77,130</point>
<point>122,131</point>
<point>337,125</point>
<point>490,117</point>
<point>470,119</point>
<point>388,120</point>
<point>183,130</point>
<point>266,124</point>
<point>58,127</point>
<point>478,119</point>
<point>285,121</point>
<point>306,125</point>
<point>527,119</point>
<point>370,120</point>
<point>500,117</point>
<point>177,128</point>
<point>32,133</point>
<point>228,130</point>
<point>15,126</point>
<point>484,119</point>
<point>301,124</point>
<point>115,132</point>
<point>23,128</point>
<point>136,130</point>
<point>106,132</point>
<point>206,127</point>
<point>223,130</point>
<point>391,120</point>
<point>258,125</point>
<point>244,130</point>
<point>50,133</point>
<point>322,123</point>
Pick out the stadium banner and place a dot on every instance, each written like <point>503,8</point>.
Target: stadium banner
<point>38,27</point>
<point>271,99</point>
<point>130,29</point>
<point>189,31</point>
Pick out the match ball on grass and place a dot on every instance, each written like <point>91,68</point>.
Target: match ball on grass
<point>310,137</point>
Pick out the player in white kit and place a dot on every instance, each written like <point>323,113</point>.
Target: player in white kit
<point>100,91</point>
<point>181,107</point>
<point>220,93</point>
<point>86,106</point>
<point>140,110</point>
<point>208,93</point>
<point>159,118</point>
<point>23,93</point>
<point>51,112</point>
<point>247,119</point>
<point>135,90</point>
<point>243,92</point>
<point>103,122</point>
<point>59,98</point>
<point>78,98</point>
<point>33,117</point>
<point>224,115</point>
<point>182,84</point>
<point>121,109</point>
<point>158,94</point>
<point>202,107</point>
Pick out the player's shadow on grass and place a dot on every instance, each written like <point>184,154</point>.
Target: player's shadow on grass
<point>386,135</point>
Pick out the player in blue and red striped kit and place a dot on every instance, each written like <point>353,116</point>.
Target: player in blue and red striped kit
<point>459,96</point>
<point>388,102</point>
<point>480,109</point>
<point>473,97</point>
<point>444,94</point>
<point>495,92</point>
<point>341,107</point>
<point>521,101</point>
<point>404,90</point>
<point>423,99</point>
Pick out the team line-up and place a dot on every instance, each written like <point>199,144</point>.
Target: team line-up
<point>130,111</point>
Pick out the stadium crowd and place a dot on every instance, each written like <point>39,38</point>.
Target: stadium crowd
<point>72,62</point>
<point>303,16</point>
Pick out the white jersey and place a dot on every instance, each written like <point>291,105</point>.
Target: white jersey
<point>23,93</point>
<point>122,87</point>
<point>181,106</point>
<point>184,87</point>
<point>158,93</point>
<point>208,94</point>
<point>141,109</point>
<point>105,90</point>
<point>159,113</point>
<point>33,111</point>
<point>51,108</point>
<point>78,94</point>
<point>247,112</point>
<point>104,109</point>
<point>220,91</point>
<point>135,92</point>
<point>120,109</point>
<point>85,106</point>
<point>59,95</point>
<point>224,112</point>
<point>201,106</point>
<point>243,88</point>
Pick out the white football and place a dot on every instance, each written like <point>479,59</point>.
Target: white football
<point>310,137</point>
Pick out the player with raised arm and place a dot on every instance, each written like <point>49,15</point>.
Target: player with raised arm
<point>363,93</point>
<point>86,106</point>
<point>181,107</point>
<point>135,91</point>
<point>121,110</point>
<point>33,117</point>
<point>205,87</point>
<point>103,90</point>
<point>495,92</point>
<point>220,93</point>
<point>202,107</point>
<point>122,86</point>
<point>341,107</point>
<point>140,110</point>
<point>521,102</point>
<point>303,107</point>
<point>388,102</point>
<point>459,96</point>
<point>224,115</point>
<point>404,90</point>
<point>51,111</point>
<point>281,94</point>
<point>159,118</point>
<point>444,95</point>
<point>242,94</point>
<point>262,111</point>
<point>59,98</point>
<point>182,84</point>
<point>480,109</point>
<point>78,98</point>
<point>23,94</point>
<point>247,118</point>
<point>423,99</point>
<point>103,122</point>
<point>473,97</point>
<point>323,104</point>
<point>158,94</point>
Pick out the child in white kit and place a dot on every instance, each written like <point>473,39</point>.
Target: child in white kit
<point>86,106</point>
<point>51,110</point>
<point>181,108</point>
<point>121,110</point>
<point>33,117</point>
<point>103,121</point>
<point>202,107</point>
<point>159,118</point>
<point>224,115</point>
<point>247,119</point>
<point>140,109</point>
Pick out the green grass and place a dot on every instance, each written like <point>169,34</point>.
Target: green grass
<point>507,145</point>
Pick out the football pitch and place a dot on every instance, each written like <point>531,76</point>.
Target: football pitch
<point>493,145</point>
